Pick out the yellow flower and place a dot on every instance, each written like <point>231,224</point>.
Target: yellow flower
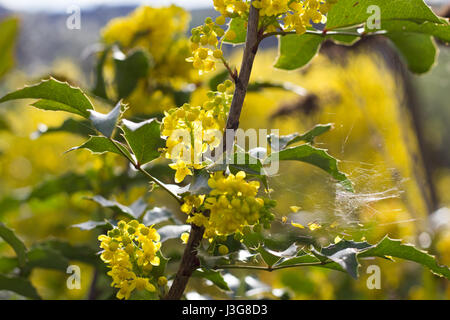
<point>184,237</point>
<point>297,225</point>
<point>182,170</point>
<point>130,250</point>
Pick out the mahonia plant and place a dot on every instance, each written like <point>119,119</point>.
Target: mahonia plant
<point>224,203</point>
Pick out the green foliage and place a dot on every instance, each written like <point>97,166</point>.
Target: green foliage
<point>134,211</point>
<point>419,50</point>
<point>106,123</point>
<point>285,141</point>
<point>315,156</point>
<point>100,145</point>
<point>129,69</point>
<point>172,232</point>
<point>18,285</point>
<point>295,51</point>
<point>144,139</point>
<point>213,276</point>
<point>54,95</point>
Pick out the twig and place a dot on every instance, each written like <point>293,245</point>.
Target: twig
<point>270,269</point>
<point>190,262</point>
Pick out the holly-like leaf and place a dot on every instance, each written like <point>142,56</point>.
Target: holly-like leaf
<point>236,32</point>
<point>129,69</point>
<point>18,285</point>
<point>100,145</point>
<point>106,123</point>
<point>172,232</point>
<point>8,30</point>
<point>199,184</point>
<point>134,211</point>
<point>54,95</point>
<point>347,13</point>
<point>396,249</point>
<point>285,141</point>
<point>315,156</point>
<point>10,237</point>
<point>156,215</point>
<point>295,51</point>
<point>144,139</point>
<point>91,225</point>
<point>82,253</point>
<point>418,50</point>
<point>213,276</point>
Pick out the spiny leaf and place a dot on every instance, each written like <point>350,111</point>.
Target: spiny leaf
<point>106,123</point>
<point>395,248</point>
<point>144,139</point>
<point>295,51</point>
<point>315,156</point>
<point>213,276</point>
<point>284,141</point>
<point>56,96</point>
<point>18,285</point>
<point>346,13</point>
<point>91,225</point>
<point>10,237</point>
<point>129,69</point>
<point>100,145</point>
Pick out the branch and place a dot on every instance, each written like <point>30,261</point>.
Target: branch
<point>190,262</point>
<point>324,33</point>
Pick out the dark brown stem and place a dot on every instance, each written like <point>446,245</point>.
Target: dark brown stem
<point>190,262</point>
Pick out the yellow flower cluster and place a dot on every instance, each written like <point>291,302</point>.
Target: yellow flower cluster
<point>205,45</point>
<point>130,250</point>
<point>286,15</point>
<point>191,131</point>
<point>232,205</point>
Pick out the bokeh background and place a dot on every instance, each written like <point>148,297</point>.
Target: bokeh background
<point>390,131</point>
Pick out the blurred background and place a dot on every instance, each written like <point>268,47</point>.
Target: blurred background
<point>390,131</point>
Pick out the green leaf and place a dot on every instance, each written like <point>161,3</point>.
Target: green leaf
<point>395,248</point>
<point>134,211</point>
<point>56,96</point>
<point>238,26</point>
<point>347,13</point>
<point>295,51</point>
<point>100,145</point>
<point>156,215</point>
<point>9,236</point>
<point>144,139</point>
<point>172,232</point>
<point>438,30</point>
<point>213,276</point>
<point>82,253</point>
<point>18,285</point>
<point>8,30</point>
<point>345,254</point>
<point>106,123</point>
<point>418,50</point>
<point>129,69</point>
<point>284,141</point>
<point>8,264</point>
<point>82,128</point>
<point>91,225</point>
<point>315,156</point>
<point>46,258</point>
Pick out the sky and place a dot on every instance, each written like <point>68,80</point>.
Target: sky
<point>62,5</point>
